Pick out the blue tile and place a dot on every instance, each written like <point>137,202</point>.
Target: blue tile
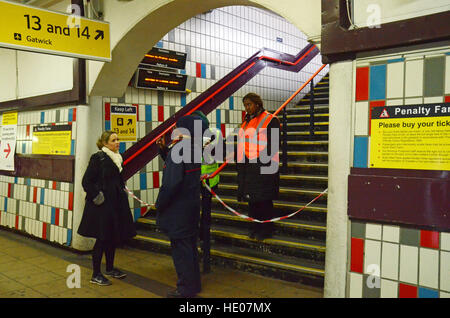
<point>183,99</point>
<point>6,205</point>
<point>42,117</point>
<point>377,86</point>
<point>148,112</point>
<point>428,293</point>
<point>402,59</point>
<point>53,215</point>
<point>231,102</point>
<point>24,148</point>
<point>107,125</point>
<point>70,114</point>
<point>143,181</point>
<point>360,152</point>
<point>203,68</point>
<point>69,237</point>
<point>159,44</point>
<point>183,72</point>
<point>15,180</point>
<point>42,196</point>
<point>137,213</point>
<point>72,148</point>
<point>122,147</point>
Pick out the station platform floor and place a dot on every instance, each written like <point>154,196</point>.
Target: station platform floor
<point>30,268</point>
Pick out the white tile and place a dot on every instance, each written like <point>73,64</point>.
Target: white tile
<point>429,268</point>
<point>356,285</point>
<point>409,263</point>
<point>389,261</point>
<point>394,80</point>
<point>445,240</point>
<point>413,101</point>
<point>445,271</point>
<point>444,295</point>
<point>391,233</point>
<point>372,255</point>
<point>432,100</point>
<point>414,78</point>
<point>373,231</point>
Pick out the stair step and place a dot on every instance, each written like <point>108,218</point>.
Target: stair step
<point>283,190</point>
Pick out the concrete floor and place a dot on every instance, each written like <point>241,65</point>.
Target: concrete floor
<point>30,268</point>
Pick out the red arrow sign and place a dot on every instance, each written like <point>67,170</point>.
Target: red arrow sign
<point>8,150</point>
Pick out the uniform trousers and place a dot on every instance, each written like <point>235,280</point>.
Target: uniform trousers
<point>185,259</point>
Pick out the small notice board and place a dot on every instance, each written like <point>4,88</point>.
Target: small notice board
<point>123,122</point>
<point>410,137</point>
<point>52,140</point>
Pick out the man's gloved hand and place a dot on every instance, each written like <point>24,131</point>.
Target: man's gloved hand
<point>99,199</point>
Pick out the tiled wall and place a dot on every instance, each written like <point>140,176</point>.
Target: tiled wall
<point>410,262</point>
<point>215,43</point>
<point>42,208</point>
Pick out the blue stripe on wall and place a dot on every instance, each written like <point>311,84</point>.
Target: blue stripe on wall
<point>148,112</point>
<point>122,147</point>
<point>183,99</point>
<point>137,213</point>
<point>53,215</point>
<point>70,114</point>
<point>72,147</point>
<point>6,205</point>
<point>231,102</point>
<point>107,125</point>
<point>377,86</point>
<point>69,237</point>
<point>203,68</point>
<point>24,148</point>
<point>428,293</point>
<point>143,181</point>
<point>218,119</point>
<point>42,117</point>
<point>360,152</point>
<point>42,196</point>
<point>16,179</point>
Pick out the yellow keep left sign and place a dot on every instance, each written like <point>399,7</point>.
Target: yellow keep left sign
<point>39,30</point>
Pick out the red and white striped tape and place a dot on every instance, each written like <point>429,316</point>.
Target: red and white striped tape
<point>256,220</point>
<point>231,209</point>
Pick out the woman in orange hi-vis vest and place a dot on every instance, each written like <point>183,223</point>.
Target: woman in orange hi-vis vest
<point>258,163</point>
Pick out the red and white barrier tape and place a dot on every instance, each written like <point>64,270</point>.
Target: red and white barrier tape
<point>140,201</point>
<point>256,220</point>
<point>230,208</point>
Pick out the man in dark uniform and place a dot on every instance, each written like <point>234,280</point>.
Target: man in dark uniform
<point>178,206</point>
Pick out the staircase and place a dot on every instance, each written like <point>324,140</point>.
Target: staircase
<point>296,252</point>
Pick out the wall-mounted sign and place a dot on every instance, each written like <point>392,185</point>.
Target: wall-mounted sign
<point>33,29</point>
<point>164,58</point>
<point>123,122</point>
<point>410,137</point>
<point>160,80</point>
<point>52,140</point>
<point>8,141</point>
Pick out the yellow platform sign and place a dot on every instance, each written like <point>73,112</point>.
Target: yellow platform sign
<point>123,122</point>
<point>9,118</point>
<point>39,30</point>
<point>411,137</point>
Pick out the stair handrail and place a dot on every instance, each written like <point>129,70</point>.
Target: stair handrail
<point>263,57</point>
<point>222,166</point>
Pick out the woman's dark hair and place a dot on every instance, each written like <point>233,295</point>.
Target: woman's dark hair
<point>255,98</point>
<point>104,138</point>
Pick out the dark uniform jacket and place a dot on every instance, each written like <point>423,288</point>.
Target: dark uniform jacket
<point>112,220</point>
<point>178,202</point>
<point>253,186</point>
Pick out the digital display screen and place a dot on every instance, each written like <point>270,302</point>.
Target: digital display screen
<point>160,80</point>
<point>164,58</point>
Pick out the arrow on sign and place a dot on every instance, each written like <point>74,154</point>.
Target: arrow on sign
<point>130,122</point>
<point>100,33</point>
<point>8,150</point>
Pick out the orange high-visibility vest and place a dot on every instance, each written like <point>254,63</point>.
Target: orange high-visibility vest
<point>253,136</point>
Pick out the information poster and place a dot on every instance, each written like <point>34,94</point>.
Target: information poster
<point>410,137</point>
<point>123,122</point>
<point>8,141</point>
<point>52,140</point>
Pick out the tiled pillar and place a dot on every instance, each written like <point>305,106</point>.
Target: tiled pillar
<point>90,122</point>
<point>341,79</point>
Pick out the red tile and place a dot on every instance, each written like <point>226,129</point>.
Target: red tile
<point>54,185</point>
<point>143,209</point>
<point>376,103</point>
<point>362,83</point>
<point>357,255</point>
<point>222,128</point>
<point>17,222</point>
<point>155,179</point>
<point>28,130</point>
<point>9,189</point>
<point>71,201</point>
<point>160,113</point>
<point>107,111</point>
<point>74,115</point>
<point>429,239</point>
<point>44,230</point>
<point>56,216</point>
<point>407,291</point>
<point>34,194</point>
<point>447,99</point>
<point>137,111</point>
<point>198,70</point>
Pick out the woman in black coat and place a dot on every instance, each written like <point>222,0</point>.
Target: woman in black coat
<point>178,205</point>
<point>107,215</point>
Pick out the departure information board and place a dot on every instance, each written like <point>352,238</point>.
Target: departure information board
<point>164,58</point>
<point>160,80</point>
